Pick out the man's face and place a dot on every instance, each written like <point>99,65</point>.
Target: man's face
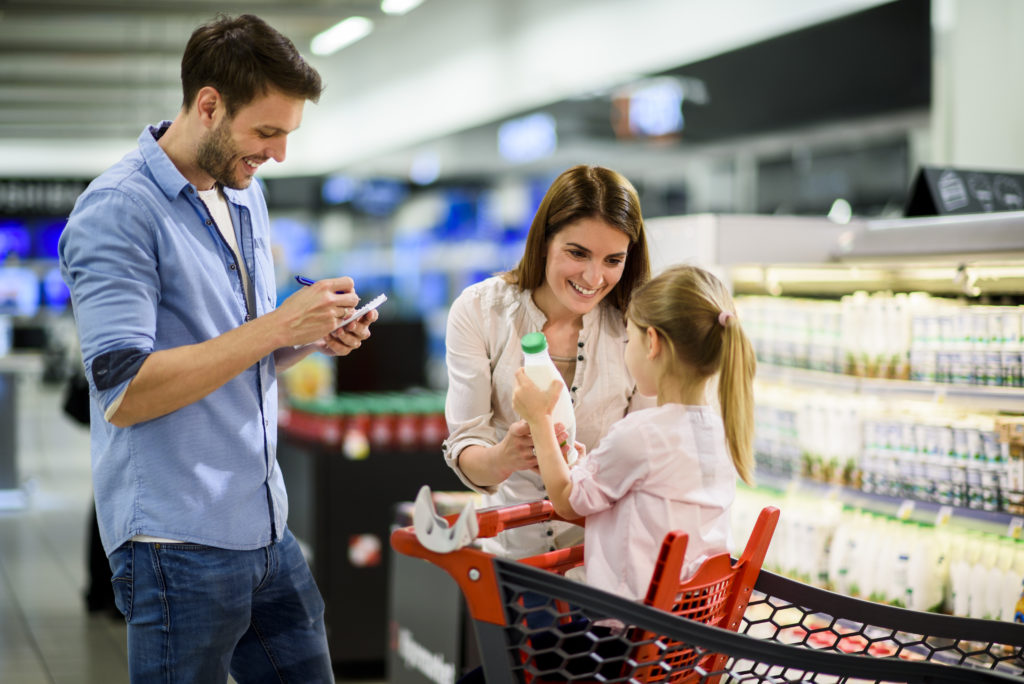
<point>234,148</point>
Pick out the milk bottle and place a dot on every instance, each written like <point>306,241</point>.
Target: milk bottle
<point>541,370</point>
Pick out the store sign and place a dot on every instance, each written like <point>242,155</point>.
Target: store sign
<point>431,665</point>
<point>938,191</point>
<point>39,197</point>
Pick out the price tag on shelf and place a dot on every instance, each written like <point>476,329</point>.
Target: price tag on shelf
<point>905,510</point>
<point>1014,529</point>
<point>943,516</point>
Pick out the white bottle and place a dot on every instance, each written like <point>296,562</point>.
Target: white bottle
<point>541,370</point>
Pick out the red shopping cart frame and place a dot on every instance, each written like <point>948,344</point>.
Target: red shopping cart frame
<point>495,589</point>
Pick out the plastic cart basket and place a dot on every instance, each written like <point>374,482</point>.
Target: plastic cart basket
<point>507,600</point>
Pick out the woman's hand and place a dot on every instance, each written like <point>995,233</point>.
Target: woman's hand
<point>516,450</point>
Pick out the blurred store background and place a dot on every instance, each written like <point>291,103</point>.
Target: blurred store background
<point>420,168</point>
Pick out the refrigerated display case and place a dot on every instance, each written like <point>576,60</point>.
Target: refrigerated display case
<point>889,376</point>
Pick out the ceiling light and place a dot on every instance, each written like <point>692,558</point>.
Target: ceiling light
<point>342,34</point>
<point>841,212</point>
<point>399,7</point>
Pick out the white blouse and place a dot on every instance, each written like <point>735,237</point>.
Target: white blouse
<point>485,325</point>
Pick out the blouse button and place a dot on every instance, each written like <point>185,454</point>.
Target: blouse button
<point>551,548</point>
<point>575,388</point>
<point>550,532</point>
<point>580,345</point>
<point>580,357</point>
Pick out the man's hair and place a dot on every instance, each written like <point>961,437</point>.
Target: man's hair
<point>244,58</point>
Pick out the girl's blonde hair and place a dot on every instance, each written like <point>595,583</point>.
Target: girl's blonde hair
<point>695,316</point>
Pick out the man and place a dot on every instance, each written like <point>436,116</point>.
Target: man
<point>168,258</point>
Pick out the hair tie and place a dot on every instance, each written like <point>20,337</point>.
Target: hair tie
<point>723,318</point>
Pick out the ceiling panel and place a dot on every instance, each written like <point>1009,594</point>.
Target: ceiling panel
<point>71,68</point>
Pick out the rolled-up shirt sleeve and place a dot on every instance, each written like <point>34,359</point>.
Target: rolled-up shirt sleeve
<point>468,409</point>
<point>108,258</point>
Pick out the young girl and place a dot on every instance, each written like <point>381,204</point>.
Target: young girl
<point>664,468</point>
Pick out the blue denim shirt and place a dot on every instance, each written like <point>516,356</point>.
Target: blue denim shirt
<point>149,271</point>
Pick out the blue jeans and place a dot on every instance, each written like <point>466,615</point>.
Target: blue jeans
<point>196,613</point>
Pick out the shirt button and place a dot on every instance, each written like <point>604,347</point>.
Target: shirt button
<point>209,222</point>
<point>575,388</point>
<point>551,548</point>
<point>550,532</point>
<point>580,345</point>
<point>580,357</point>
<point>232,267</point>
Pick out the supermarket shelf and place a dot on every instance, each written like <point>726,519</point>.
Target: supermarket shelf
<point>926,511</point>
<point>975,397</point>
<point>955,236</point>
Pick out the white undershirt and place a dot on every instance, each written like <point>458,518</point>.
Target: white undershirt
<point>218,205</point>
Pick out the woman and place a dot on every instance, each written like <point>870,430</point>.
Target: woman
<point>585,254</point>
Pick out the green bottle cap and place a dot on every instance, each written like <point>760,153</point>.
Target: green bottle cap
<point>534,342</point>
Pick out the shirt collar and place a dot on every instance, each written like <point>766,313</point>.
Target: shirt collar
<point>165,173</point>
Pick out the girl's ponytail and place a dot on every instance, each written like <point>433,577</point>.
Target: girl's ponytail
<point>736,394</point>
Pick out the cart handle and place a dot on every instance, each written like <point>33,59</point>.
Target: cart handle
<point>472,568</point>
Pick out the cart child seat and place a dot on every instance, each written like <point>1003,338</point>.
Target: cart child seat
<point>716,594</point>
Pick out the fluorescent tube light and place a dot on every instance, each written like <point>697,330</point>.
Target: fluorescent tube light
<point>341,35</point>
<point>399,7</point>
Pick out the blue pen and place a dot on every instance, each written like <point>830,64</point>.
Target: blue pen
<point>302,280</point>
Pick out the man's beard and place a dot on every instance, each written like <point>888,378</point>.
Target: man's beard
<point>217,156</point>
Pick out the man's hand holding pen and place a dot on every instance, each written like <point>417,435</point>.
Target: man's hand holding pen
<point>322,305</point>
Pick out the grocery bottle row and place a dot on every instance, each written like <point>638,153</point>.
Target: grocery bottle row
<point>893,446</point>
<point>936,565</point>
<point>884,335</point>
<point>894,431</point>
<point>360,423</point>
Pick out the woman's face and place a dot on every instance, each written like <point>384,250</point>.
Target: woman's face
<point>584,262</point>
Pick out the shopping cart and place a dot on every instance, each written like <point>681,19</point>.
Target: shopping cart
<point>529,620</point>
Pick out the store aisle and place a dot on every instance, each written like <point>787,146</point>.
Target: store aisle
<point>46,634</point>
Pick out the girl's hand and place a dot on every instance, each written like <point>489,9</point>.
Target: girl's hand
<point>530,402</point>
<point>581,450</point>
